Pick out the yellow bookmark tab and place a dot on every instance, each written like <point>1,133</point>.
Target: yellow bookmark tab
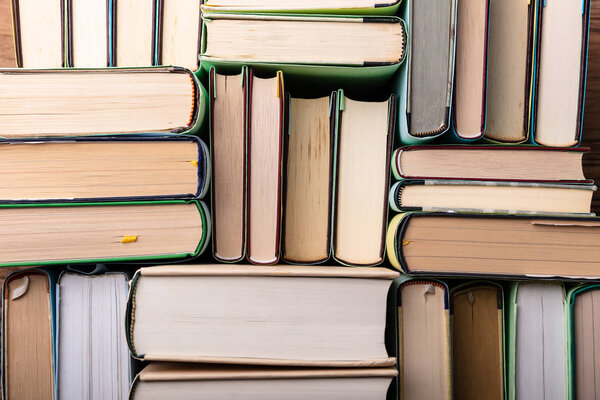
<point>405,242</point>
<point>194,163</point>
<point>129,239</point>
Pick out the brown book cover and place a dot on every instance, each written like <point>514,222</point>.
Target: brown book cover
<point>476,320</point>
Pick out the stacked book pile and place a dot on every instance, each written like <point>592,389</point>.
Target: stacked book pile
<point>339,140</point>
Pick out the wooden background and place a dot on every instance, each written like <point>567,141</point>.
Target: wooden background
<point>591,125</point>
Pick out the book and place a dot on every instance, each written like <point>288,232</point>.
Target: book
<point>487,244</point>
<point>39,29</point>
<point>470,75</point>
<point>491,196</point>
<point>161,380</point>
<point>424,340</point>
<point>109,168</point>
<point>93,358</point>
<point>72,102</point>
<point>309,179</point>
<point>28,328</point>
<point>477,325</point>
<point>7,37</point>
<point>228,136</point>
<point>361,7</point>
<point>134,33</point>
<point>296,39</point>
<point>55,233</point>
<point>511,34</point>
<point>430,67</point>
<point>562,35</point>
<point>88,26</point>
<point>582,341</point>
<point>494,163</point>
<point>264,315</point>
<point>537,341</point>
<point>264,163</point>
<point>179,32</point>
<point>362,179</point>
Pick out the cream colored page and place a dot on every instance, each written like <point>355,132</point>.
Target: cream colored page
<point>559,74</point>
<point>290,4</point>
<point>94,232</point>
<point>308,181</point>
<point>467,163</point>
<point>280,318</point>
<point>134,33</point>
<point>507,52</point>
<point>73,103</point>
<point>502,246</point>
<point>540,355</point>
<point>264,178</point>
<point>181,33</point>
<point>469,78</point>
<point>488,197</point>
<point>41,33</point>
<point>98,169</point>
<point>228,151</point>
<point>361,184</point>
<point>586,337</point>
<point>425,347</point>
<point>267,389</point>
<point>302,41</point>
<point>90,33</point>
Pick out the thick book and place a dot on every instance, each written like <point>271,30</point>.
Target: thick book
<point>537,341</point>
<point>80,102</point>
<point>165,380</point>
<point>107,168</point>
<point>93,358</point>
<point>563,32</point>
<point>510,63</point>
<point>39,32</point>
<point>424,340</point>
<point>360,7</point>
<point>309,179</point>
<point>430,67</point>
<point>498,245</point>
<point>178,32</point>
<point>297,39</point>
<point>134,33</point>
<point>55,233</point>
<point>477,325</point>
<point>470,75</point>
<point>490,163</point>
<point>362,179</point>
<point>228,137</point>
<point>88,25</point>
<point>263,315</point>
<point>491,196</point>
<point>583,340</point>
<point>264,163</point>
<point>28,329</point>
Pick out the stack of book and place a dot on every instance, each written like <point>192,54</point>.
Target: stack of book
<point>300,104</point>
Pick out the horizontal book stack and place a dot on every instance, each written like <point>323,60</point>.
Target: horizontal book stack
<point>99,165</point>
<point>310,123</point>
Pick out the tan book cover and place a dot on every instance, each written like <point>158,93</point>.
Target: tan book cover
<point>424,340</point>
